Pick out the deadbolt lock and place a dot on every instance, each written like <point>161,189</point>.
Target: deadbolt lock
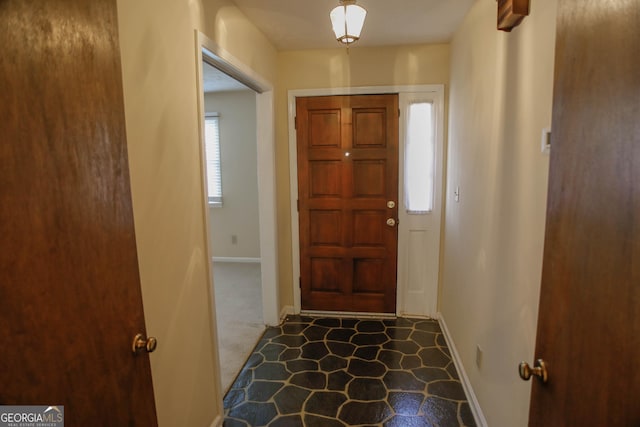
<point>391,204</point>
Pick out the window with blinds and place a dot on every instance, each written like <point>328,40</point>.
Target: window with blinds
<point>214,171</point>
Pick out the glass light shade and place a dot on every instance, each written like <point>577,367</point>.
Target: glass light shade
<point>347,21</point>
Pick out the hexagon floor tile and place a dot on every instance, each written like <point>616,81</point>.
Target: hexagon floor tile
<point>347,372</point>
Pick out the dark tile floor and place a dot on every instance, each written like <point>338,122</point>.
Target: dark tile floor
<point>329,372</point>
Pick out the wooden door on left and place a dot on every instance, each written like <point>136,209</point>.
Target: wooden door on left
<point>70,298</point>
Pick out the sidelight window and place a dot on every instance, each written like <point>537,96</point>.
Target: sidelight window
<point>419,158</point>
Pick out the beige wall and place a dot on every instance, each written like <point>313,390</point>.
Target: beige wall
<point>500,100</point>
<point>329,68</point>
<point>226,25</point>
<point>238,215</point>
<point>158,65</point>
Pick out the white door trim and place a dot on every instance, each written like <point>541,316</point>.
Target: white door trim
<point>293,165</point>
<point>207,49</point>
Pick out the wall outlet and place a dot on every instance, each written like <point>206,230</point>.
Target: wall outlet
<point>479,356</point>
<point>234,239</point>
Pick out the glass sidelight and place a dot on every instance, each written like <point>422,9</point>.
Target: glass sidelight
<point>419,158</point>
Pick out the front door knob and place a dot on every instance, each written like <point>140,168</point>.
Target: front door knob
<point>539,370</point>
<point>142,343</point>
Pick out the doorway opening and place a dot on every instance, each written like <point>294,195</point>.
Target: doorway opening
<point>237,149</point>
<point>234,234</point>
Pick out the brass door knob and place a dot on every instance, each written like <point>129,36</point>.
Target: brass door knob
<point>142,343</point>
<point>391,222</point>
<point>539,370</point>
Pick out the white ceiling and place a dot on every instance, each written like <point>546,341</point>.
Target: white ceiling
<point>305,24</point>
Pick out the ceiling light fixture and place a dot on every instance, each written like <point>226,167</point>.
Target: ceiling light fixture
<point>347,20</point>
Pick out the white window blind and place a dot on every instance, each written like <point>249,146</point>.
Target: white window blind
<point>419,158</point>
<point>214,170</point>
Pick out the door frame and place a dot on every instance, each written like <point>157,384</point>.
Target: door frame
<point>209,51</point>
<point>437,90</point>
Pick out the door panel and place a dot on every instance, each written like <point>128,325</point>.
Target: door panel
<point>369,178</point>
<point>347,171</point>
<point>589,318</point>
<point>70,301</point>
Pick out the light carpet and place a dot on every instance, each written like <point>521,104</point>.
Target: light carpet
<point>238,293</point>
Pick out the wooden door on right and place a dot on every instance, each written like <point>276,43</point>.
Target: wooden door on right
<point>589,315</point>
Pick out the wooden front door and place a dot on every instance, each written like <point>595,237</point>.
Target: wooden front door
<point>589,318</point>
<point>347,177</point>
<point>70,299</point>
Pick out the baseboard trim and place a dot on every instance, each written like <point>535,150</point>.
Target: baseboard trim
<point>347,314</point>
<point>286,311</point>
<point>417,316</point>
<point>217,421</point>
<point>235,259</point>
<point>466,384</point>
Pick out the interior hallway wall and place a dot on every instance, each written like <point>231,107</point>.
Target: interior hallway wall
<point>500,100</point>
<point>238,215</point>
<point>331,68</point>
<point>157,44</point>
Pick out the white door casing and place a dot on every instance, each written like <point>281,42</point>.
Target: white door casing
<point>419,235</point>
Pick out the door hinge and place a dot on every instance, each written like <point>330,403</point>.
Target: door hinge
<point>298,205</point>
<point>398,112</point>
<point>295,122</point>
